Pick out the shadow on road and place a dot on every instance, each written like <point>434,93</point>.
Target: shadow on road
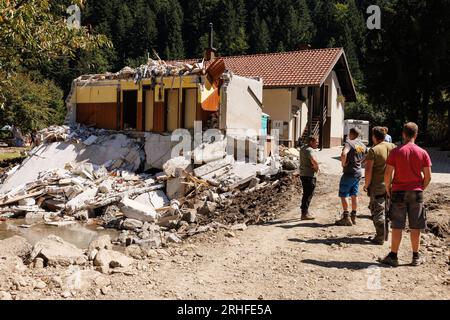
<point>308,225</point>
<point>330,241</point>
<point>351,265</point>
<point>363,216</point>
<point>275,222</point>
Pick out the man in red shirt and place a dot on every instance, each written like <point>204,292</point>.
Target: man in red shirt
<point>411,166</point>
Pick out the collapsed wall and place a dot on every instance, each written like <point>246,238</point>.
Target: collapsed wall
<point>98,147</point>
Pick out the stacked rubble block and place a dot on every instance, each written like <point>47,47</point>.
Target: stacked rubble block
<point>86,175</point>
<point>290,158</point>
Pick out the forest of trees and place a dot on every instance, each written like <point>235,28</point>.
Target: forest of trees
<point>402,72</point>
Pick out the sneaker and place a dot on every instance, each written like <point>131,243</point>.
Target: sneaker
<point>353,218</point>
<point>417,261</point>
<point>393,262</point>
<point>345,221</point>
<point>307,216</point>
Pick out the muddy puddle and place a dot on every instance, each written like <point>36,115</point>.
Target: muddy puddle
<point>78,234</point>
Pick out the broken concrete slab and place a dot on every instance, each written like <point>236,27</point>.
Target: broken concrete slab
<point>105,186</point>
<point>101,242</point>
<point>136,210</point>
<point>157,199</point>
<point>111,147</point>
<point>176,188</point>
<point>80,200</point>
<point>173,238</point>
<point>174,167</point>
<point>158,149</point>
<point>210,151</point>
<point>56,251</point>
<point>27,202</point>
<point>60,223</point>
<point>132,224</point>
<point>15,246</point>
<point>135,251</point>
<point>112,259</point>
<point>90,140</point>
<point>289,164</point>
<point>213,166</point>
<point>43,157</point>
<point>84,280</point>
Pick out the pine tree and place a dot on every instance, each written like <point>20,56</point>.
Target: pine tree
<point>259,36</point>
<point>231,33</point>
<point>292,32</point>
<point>143,30</point>
<point>347,38</point>
<point>306,26</point>
<point>169,21</point>
<point>324,19</point>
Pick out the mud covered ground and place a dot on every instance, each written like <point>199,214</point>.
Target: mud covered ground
<point>279,258</point>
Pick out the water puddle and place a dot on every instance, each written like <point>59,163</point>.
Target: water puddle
<point>78,234</point>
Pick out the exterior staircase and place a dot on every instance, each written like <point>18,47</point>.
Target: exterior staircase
<point>315,128</point>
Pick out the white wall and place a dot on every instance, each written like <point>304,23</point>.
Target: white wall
<point>303,111</point>
<point>239,109</point>
<point>336,110</point>
<point>277,104</point>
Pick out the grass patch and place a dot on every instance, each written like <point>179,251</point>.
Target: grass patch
<point>9,155</point>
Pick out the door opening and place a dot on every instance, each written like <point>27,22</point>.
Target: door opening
<point>129,110</point>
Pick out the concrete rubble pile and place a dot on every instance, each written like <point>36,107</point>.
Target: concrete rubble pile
<point>153,68</point>
<point>290,158</point>
<point>151,207</point>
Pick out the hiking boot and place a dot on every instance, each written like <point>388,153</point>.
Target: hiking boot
<point>390,261</point>
<point>345,221</point>
<point>307,216</point>
<point>353,217</point>
<point>378,240</point>
<point>417,261</point>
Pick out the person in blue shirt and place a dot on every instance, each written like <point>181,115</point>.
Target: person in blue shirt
<point>388,138</point>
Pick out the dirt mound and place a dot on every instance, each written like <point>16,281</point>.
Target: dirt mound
<point>438,200</point>
<point>256,206</point>
<point>438,206</point>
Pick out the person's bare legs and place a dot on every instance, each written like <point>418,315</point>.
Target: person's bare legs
<point>344,204</point>
<point>396,239</point>
<point>355,203</point>
<point>415,239</point>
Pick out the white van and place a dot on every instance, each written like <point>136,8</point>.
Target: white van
<point>361,125</point>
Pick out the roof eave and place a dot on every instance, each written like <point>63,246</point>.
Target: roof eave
<point>349,97</point>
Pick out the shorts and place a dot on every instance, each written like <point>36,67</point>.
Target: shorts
<point>348,186</point>
<point>408,203</point>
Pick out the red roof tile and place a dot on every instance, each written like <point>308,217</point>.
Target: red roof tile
<point>294,68</point>
<point>285,69</point>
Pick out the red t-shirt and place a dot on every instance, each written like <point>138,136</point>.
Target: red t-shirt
<point>408,161</point>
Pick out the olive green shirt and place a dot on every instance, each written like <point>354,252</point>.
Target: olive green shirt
<point>378,155</point>
<point>306,169</point>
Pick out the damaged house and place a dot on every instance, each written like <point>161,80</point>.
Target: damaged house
<point>158,98</point>
<point>304,91</point>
